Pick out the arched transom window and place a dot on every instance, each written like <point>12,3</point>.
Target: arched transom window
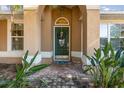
<point>61,21</point>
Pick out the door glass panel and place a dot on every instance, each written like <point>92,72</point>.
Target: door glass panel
<point>62,42</point>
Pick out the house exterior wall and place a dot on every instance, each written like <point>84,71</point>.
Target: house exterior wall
<point>84,30</point>
<point>9,52</point>
<point>38,29</point>
<point>76,29</point>
<point>93,33</point>
<point>10,60</point>
<point>46,30</point>
<point>3,35</point>
<point>8,56</point>
<point>32,38</point>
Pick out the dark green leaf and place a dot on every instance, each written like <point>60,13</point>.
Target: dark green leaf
<point>26,55</point>
<point>118,54</point>
<point>92,62</point>
<point>32,60</point>
<point>37,68</point>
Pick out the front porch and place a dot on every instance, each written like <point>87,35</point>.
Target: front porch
<point>76,19</point>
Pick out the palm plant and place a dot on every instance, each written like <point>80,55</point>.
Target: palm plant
<point>107,67</point>
<point>23,72</point>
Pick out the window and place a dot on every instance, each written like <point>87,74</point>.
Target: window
<point>122,36</point>
<point>61,21</point>
<point>17,36</point>
<point>113,33</point>
<point>103,35</point>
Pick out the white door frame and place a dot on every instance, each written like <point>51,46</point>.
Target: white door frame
<point>54,43</point>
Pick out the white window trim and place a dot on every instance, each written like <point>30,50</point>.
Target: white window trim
<point>9,52</point>
<point>9,36</point>
<point>108,29</point>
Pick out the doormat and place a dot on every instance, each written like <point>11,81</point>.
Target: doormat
<point>62,62</point>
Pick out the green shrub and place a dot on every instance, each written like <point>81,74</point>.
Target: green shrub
<point>107,67</point>
<point>23,72</point>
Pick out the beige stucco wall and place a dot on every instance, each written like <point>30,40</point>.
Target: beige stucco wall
<point>46,30</point>
<point>83,29</point>
<point>32,33</point>
<point>93,35</point>
<point>3,35</point>
<point>11,60</point>
<point>76,29</point>
<point>56,13</point>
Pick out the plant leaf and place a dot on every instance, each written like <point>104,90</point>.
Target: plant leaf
<point>32,60</point>
<point>118,54</point>
<point>37,68</point>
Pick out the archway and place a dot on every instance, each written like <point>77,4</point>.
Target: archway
<point>77,39</point>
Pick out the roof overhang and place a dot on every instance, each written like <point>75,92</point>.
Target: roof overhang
<point>33,7</point>
<point>112,16</point>
<point>30,7</point>
<point>92,6</point>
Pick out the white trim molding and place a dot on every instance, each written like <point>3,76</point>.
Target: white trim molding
<point>8,35</point>
<point>30,7</point>
<point>54,27</point>
<point>76,54</point>
<point>46,54</point>
<point>93,7</point>
<point>11,53</point>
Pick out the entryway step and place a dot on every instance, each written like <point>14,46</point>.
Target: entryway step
<point>62,62</point>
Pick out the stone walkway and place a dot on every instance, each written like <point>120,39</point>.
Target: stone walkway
<point>61,76</point>
<point>54,76</point>
<point>7,71</point>
<point>61,70</point>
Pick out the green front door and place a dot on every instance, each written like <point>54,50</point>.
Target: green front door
<point>61,43</point>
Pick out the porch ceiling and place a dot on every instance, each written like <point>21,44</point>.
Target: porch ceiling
<point>69,6</point>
